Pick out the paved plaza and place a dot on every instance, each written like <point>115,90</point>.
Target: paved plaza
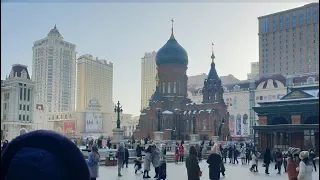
<point>179,172</point>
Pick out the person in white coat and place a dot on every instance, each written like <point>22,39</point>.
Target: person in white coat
<point>305,166</point>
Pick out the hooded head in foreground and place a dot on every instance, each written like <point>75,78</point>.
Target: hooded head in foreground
<point>43,155</point>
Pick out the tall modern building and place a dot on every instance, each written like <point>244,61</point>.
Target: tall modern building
<point>148,76</point>
<point>94,81</point>
<point>53,71</point>
<point>289,41</point>
<point>17,103</point>
<point>254,74</point>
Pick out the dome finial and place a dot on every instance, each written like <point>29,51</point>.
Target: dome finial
<point>55,26</point>
<point>212,56</point>
<point>172,36</point>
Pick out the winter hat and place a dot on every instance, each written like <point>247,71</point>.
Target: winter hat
<point>43,154</point>
<point>304,154</point>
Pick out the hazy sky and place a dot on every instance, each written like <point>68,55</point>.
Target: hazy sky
<point>122,33</point>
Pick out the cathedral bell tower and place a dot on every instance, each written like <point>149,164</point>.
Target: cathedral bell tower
<point>212,90</point>
<point>172,65</point>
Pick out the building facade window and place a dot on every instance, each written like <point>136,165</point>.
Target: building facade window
<point>294,19</point>
<point>280,21</point>
<point>287,21</point>
<point>175,87</point>
<point>169,87</point>
<point>301,17</point>
<point>274,25</point>
<point>308,15</point>
<point>315,14</point>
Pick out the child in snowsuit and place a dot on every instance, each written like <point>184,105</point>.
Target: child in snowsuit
<point>254,158</point>
<point>137,165</point>
<point>177,156</point>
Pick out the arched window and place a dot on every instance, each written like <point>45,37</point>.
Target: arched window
<point>204,124</point>
<point>169,87</point>
<point>175,87</point>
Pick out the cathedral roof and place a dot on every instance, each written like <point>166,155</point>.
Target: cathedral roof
<point>172,53</point>
<point>156,95</point>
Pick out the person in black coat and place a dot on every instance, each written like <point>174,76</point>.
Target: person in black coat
<point>214,160</point>
<point>138,151</point>
<point>267,159</point>
<point>278,159</point>
<point>192,165</point>
<point>126,157</point>
<point>235,155</point>
<point>230,153</point>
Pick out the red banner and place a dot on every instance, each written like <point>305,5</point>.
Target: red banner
<point>69,127</point>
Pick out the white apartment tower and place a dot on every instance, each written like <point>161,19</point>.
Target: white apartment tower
<point>17,103</point>
<point>148,76</point>
<point>53,71</point>
<point>94,81</point>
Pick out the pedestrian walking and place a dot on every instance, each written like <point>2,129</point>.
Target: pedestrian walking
<point>93,162</point>
<point>120,156</point>
<point>267,160</point>
<point>224,154</point>
<point>192,165</point>
<point>305,166</point>
<point>156,160</point>
<point>312,157</point>
<point>43,155</point>
<point>278,159</point>
<point>138,165</point>
<point>181,153</point>
<point>243,155</point>
<point>126,157</point>
<point>176,154</point>
<point>138,151</point>
<point>230,154</point>
<point>248,153</point>
<point>235,155</point>
<point>147,162</point>
<point>293,163</point>
<point>285,160</point>
<point>215,162</point>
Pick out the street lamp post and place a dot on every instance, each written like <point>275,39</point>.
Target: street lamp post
<point>118,110</point>
<point>179,115</point>
<point>194,124</point>
<point>159,118</point>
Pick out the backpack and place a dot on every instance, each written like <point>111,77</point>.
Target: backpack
<point>91,163</point>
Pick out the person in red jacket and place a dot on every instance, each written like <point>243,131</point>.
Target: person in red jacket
<point>181,151</point>
<point>176,155</point>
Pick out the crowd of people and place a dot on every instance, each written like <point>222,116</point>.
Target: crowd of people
<point>29,151</point>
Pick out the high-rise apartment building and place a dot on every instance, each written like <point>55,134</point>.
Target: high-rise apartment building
<point>254,74</point>
<point>53,71</point>
<point>289,41</point>
<point>94,81</point>
<point>148,76</point>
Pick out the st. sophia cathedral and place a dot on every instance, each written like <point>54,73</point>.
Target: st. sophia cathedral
<point>177,112</point>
